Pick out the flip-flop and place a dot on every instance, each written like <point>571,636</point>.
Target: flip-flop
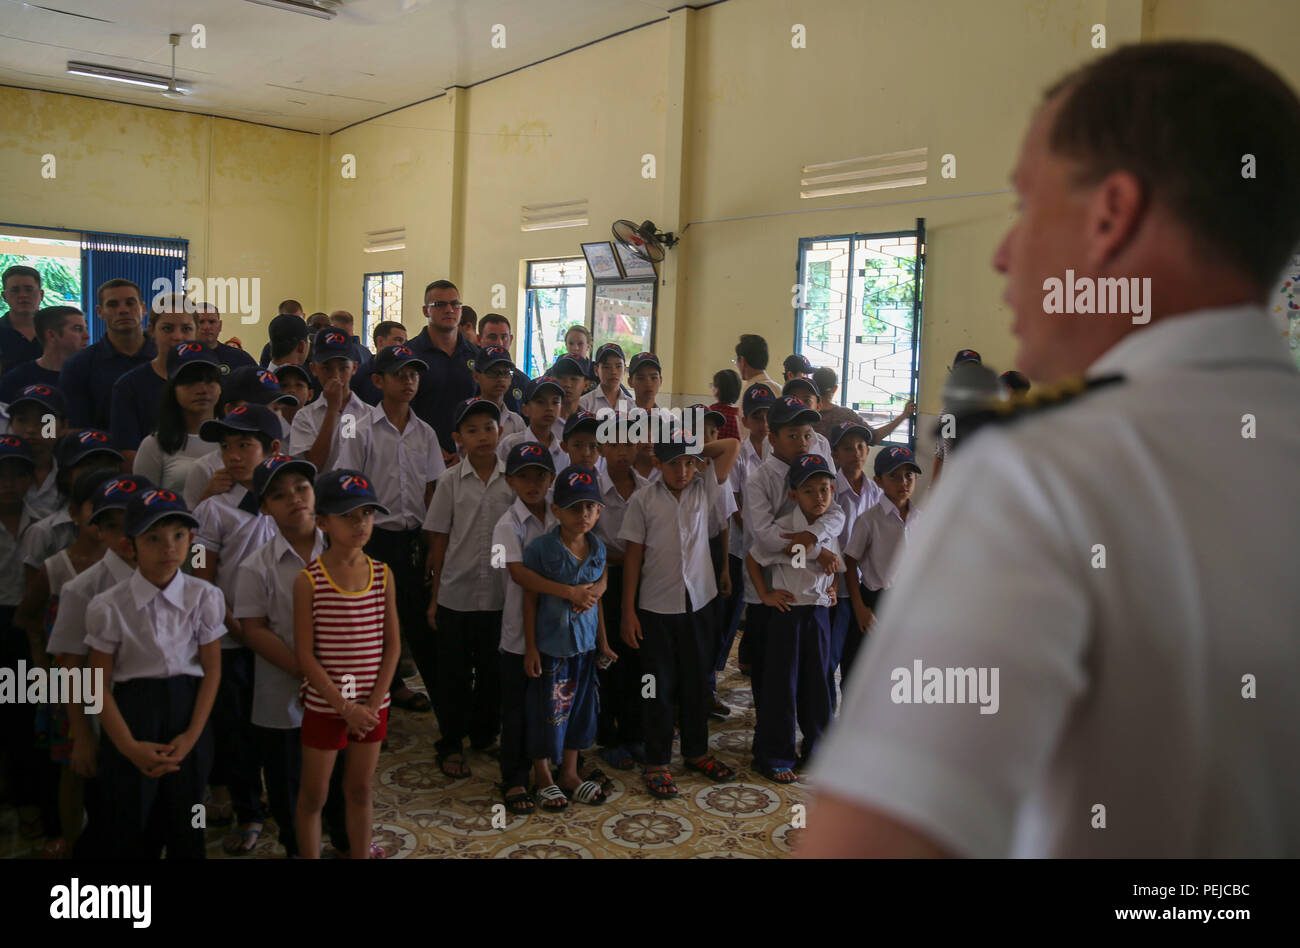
<point>520,804</point>
<point>782,775</point>
<point>660,783</point>
<point>712,768</point>
<point>600,779</point>
<point>242,841</point>
<point>552,799</point>
<point>588,792</point>
<point>444,761</point>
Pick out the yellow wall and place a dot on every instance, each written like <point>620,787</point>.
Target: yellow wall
<point>243,195</point>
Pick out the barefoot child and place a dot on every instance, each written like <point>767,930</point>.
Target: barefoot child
<point>561,645</point>
<point>346,640</point>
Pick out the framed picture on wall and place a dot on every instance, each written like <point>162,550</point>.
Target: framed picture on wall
<point>634,266</point>
<point>624,312</point>
<point>601,261</point>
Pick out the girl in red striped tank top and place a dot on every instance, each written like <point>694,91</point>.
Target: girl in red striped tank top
<point>347,641</point>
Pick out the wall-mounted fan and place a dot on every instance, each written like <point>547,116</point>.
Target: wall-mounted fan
<point>644,240</point>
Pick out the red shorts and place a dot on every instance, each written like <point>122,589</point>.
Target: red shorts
<point>330,732</point>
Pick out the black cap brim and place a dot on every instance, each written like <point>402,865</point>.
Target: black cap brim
<point>862,429</point>
<point>344,505</point>
<point>137,525</point>
<point>298,465</point>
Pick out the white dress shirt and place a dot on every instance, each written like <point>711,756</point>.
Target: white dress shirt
<point>517,528</point>
<point>399,465</point>
<point>47,536</point>
<point>45,498</point>
<point>746,461</point>
<point>13,551</point>
<point>674,532</point>
<point>511,421</point>
<point>595,400</point>
<point>306,425</point>
<point>233,535</point>
<point>68,637</point>
<point>611,517</point>
<point>855,505</point>
<point>152,632</point>
<point>809,584</point>
<point>878,541</point>
<point>467,510</point>
<point>199,476</point>
<point>264,589</point>
<point>1158,685</point>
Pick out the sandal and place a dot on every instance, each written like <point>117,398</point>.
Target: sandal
<point>783,775</point>
<point>416,701</point>
<point>619,757</point>
<point>588,792</point>
<point>377,851</point>
<point>601,779</point>
<point>552,798</point>
<point>456,760</point>
<point>520,804</point>
<point>660,783</point>
<point>242,841</point>
<point>712,768</point>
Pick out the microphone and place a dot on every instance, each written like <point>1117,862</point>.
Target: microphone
<point>971,391</point>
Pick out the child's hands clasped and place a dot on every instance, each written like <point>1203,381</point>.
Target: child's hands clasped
<point>777,599</point>
<point>359,718</point>
<point>582,597</point>
<point>153,760</point>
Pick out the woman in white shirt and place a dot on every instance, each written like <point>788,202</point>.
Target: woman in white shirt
<point>190,398</point>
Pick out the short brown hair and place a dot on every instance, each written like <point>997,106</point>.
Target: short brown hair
<point>20,270</point>
<point>113,285</point>
<point>440,285</point>
<point>1181,117</point>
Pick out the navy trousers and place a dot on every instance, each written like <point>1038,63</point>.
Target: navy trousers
<point>281,753</point>
<point>515,762</point>
<point>236,764</point>
<point>794,685</point>
<point>618,721</point>
<point>404,552</point>
<point>467,685</point>
<point>142,815</point>
<point>678,652</point>
<point>729,622</point>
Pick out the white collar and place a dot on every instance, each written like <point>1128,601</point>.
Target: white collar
<point>1221,336</point>
<point>143,591</point>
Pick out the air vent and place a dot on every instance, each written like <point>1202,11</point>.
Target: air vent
<point>551,216</point>
<point>872,173</point>
<point>379,241</point>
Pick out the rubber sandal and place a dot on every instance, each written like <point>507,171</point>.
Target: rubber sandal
<point>552,799</point>
<point>588,792</point>
<point>600,779</point>
<point>712,768</point>
<point>418,702</point>
<point>242,841</point>
<point>444,761</point>
<point>781,775</point>
<point>660,784</point>
<point>377,851</point>
<point>520,804</point>
<point>619,758</point>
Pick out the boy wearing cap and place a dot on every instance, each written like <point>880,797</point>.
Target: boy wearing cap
<point>645,375</point>
<point>263,604</point>
<point>468,593</point>
<point>318,429</point>
<point>609,393</point>
<point>155,637</point>
<point>28,413</point>
<point>561,644</point>
<point>133,412</point>
<point>724,505</point>
<point>877,543</point>
<point>803,388</point>
<point>493,370</point>
<point>401,456</point>
<point>230,529</point>
<point>668,585</point>
<point>347,640</point>
<point>245,386</point>
<point>754,449</point>
<point>74,454</point>
<point>766,498</point>
<point>296,381</point>
<point>541,407</point>
<point>569,371</point>
<point>289,342</point>
<point>796,367</point>
<point>798,629</point>
<point>856,493</point>
<point>580,441</point>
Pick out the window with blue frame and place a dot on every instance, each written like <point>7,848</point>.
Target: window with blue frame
<point>555,299</point>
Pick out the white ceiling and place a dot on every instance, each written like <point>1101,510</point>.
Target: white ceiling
<point>295,71</point>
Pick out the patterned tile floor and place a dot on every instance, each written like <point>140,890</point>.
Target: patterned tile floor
<point>419,813</point>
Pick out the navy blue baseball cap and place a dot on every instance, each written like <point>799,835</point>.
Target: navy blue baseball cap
<point>245,418</point>
<point>183,355</point>
<point>709,414</point>
<point>581,419</point>
<point>292,368</point>
<point>331,343</point>
<point>15,448</point>
<point>894,457</point>
<point>798,363</point>
<point>529,454</point>
<point>287,326</point>
<point>966,355</point>
<point>575,484</point>
<point>844,428</point>
<point>473,406</point>
<point>643,358</point>
<point>790,411</point>
<point>395,358</point>
<point>609,349</point>
<point>758,395</point>
<point>145,508</point>
<point>74,448</point>
<point>117,493</point>
<point>790,387</point>
<point>540,384</point>
<point>568,365</point>
<point>257,386</point>
<point>804,467</point>
<point>47,396</point>
<point>490,356</point>
<point>1012,379</point>
<point>677,444</point>
<point>344,490</point>
<point>266,472</point>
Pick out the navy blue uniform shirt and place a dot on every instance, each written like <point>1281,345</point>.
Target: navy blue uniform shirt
<point>19,377</point>
<point>450,380</point>
<point>15,348</point>
<point>133,415</point>
<point>88,377</point>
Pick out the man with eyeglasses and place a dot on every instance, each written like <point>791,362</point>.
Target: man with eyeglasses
<point>450,358</point>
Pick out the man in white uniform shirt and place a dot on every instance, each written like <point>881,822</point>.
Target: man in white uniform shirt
<point>1115,576</point>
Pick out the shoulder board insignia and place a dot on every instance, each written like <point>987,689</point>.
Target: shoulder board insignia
<point>1021,406</point>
